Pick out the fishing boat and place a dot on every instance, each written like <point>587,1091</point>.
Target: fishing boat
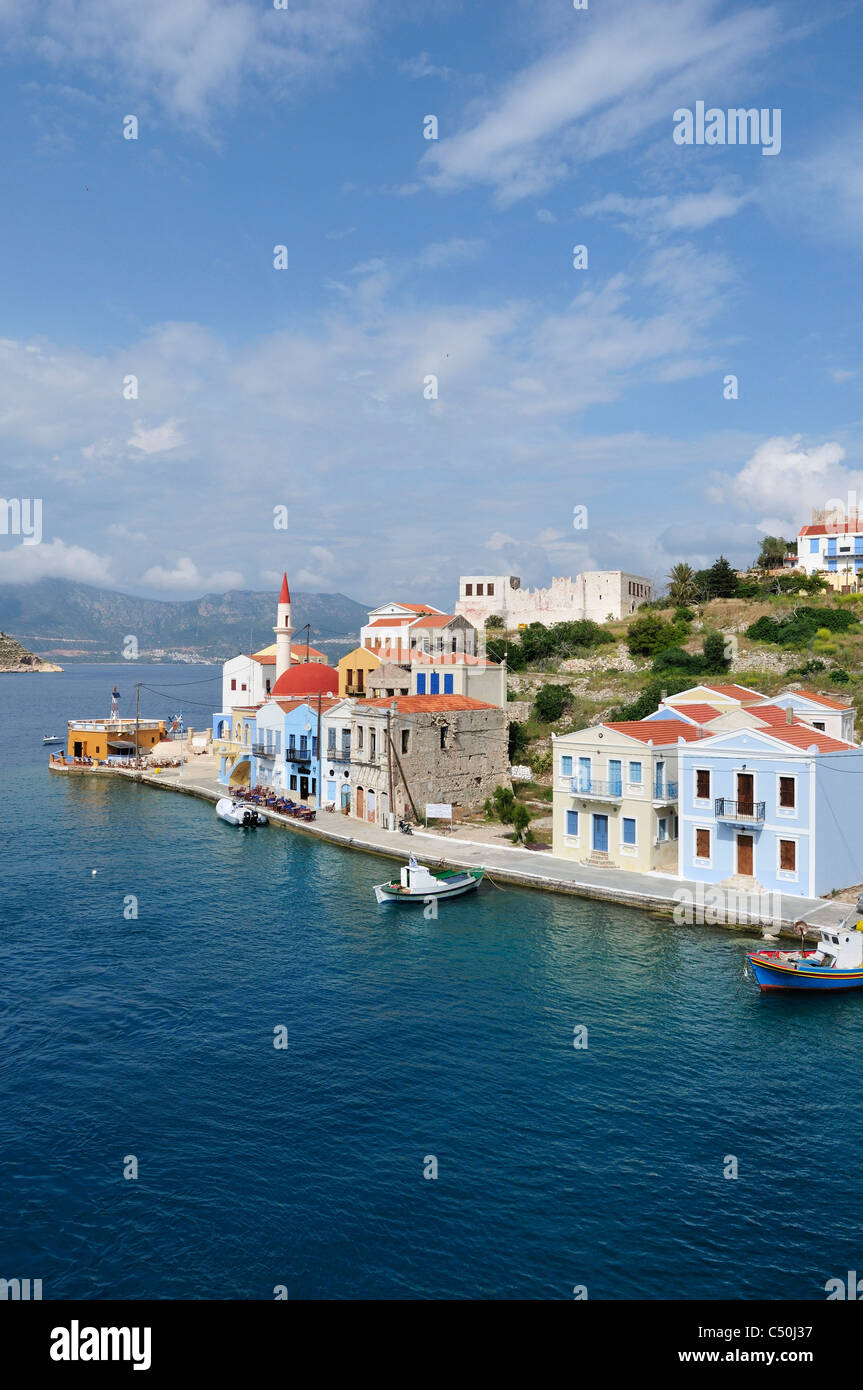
<point>835,963</point>
<point>236,813</point>
<point>50,738</point>
<point>416,883</point>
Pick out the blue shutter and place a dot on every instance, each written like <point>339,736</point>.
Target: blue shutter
<point>421,682</point>
<point>566,766</point>
<point>447,685</point>
<point>572,822</point>
<point>435,684</point>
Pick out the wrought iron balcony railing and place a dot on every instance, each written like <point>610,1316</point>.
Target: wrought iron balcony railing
<point>748,811</point>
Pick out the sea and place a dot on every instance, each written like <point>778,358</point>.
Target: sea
<point>225,1071</point>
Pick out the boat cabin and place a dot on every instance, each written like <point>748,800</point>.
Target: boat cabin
<point>841,949</point>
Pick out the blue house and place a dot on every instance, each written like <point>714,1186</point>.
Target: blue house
<point>777,807</point>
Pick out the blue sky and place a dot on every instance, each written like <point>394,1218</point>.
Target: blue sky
<point>304,387</point>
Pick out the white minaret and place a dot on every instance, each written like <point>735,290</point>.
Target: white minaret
<point>283,630</point>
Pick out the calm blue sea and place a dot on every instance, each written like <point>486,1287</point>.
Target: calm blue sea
<point>454,1039</point>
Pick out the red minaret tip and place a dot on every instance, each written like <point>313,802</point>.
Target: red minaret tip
<point>285,595</point>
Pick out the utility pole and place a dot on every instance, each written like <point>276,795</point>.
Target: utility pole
<point>320,801</point>
<point>390,754</point>
<point>137,743</point>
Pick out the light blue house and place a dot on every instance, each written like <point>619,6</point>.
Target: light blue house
<point>285,749</point>
<point>778,808</point>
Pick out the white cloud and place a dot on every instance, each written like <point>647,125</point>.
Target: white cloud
<point>662,214</point>
<point>784,480</point>
<point>194,55</point>
<point>24,564</point>
<point>187,577</point>
<point>157,440</point>
<point>605,91</point>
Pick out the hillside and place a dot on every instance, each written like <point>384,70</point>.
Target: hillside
<point>78,622</point>
<point>15,658</point>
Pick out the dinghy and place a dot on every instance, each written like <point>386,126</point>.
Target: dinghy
<point>236,813</point>
<point>417,884</point>
<point>50,738</point>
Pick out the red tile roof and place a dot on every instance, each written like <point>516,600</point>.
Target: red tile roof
<point>660,731</point>
<point>326,703</point>
<point>701,714</point>
<point>433,620</point>
<point>802,736</point>
<point>820,699</point>
<point>853,526</point>
<point>394,621</point>
<point>733,692</point>
<point>426,704</point>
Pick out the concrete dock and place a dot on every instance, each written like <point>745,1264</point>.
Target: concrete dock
<point>538,869</point>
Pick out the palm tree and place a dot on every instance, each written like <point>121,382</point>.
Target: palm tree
<point>682,587</point>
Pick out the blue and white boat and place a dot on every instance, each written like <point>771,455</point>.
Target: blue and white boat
<point>835,963</point>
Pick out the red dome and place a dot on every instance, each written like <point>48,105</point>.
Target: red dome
<point>307,678</point>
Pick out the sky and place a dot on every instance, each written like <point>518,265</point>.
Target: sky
<point>431,386</point>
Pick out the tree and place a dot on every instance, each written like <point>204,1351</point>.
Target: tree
<point>721,580</point>
<point>550,702</point>
<point>518,741</point>
<point>648,635</point>
<point>773,551</point>
<point>494,621</point>
<point>682,588</point>
<point>713,649</point>
<point>500,804</point>
<point>520,820</point>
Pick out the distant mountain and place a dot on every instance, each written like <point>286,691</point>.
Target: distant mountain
<point>79,622</point>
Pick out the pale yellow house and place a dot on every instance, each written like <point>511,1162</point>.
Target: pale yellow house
<point>615,794</point>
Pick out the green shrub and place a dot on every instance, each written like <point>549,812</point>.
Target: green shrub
<point>550,702</point>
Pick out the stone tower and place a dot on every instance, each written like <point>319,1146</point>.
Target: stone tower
<point>283,630</point>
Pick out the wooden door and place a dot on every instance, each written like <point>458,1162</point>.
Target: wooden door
<point>360,799</point>
<point>745,855</point>
<point>745,794</point>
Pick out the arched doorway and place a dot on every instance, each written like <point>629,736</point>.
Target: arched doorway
<point>240,773</point>
<point>370,803</point>
<point>346,797</point>
<point>360,803</point>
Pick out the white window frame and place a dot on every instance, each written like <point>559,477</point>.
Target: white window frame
<point>634,788</point>
<point>787,812</point>
<point>701,800</point>
<point>630,850</point>
<point>696,858</point>
<point>568,838</point>
<point>786,875</point>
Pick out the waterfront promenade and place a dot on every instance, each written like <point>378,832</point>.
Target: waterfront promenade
<point>511,864</point>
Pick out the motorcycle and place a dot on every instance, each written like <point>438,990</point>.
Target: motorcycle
<point>405,827</point>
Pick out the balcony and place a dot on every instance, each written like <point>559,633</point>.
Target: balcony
<point>261,750</point>
<point>665,791</point>
<point>740,812</point>
<point>338,755</point>
<point>592,787</point>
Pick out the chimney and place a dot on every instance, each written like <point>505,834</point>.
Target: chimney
<point>789,715</point>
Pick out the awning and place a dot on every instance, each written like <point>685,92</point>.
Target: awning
<point>121,743</point>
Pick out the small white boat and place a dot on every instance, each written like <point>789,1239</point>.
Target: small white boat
<point>50,738</point>
<point>417,883</point>
<point>238,813</point>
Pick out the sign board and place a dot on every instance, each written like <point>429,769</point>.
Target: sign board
<point>438,810</point>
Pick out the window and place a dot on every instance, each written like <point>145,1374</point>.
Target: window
<point>489,589</point>
<point>421,682</point>
<point>443,733</point>
<point>566,766</point>
<point>447,685</point>
<point>268,684</point>
<point>243,686</point>
<point>454,646</point>
<point>628,833</point>
<point>233,685</point>
<point>787,792</point>
<point>788,856</point>
<point>373,744</point>
<point>331,737</point>
<point>479,590</point>
<point>359,736</point>
<point>293,786</point>
<point>468,589</point>
<point>818,724</point>
<point>675,832</point>
<point>663,828</point>
<point>635,773</point>
<point>702,784</point>
<point>350,677</point>
<point>435,684</point>
<point>702,844</point>
<point>572,823</point>
<point>405,741</point>
<point>813,547</point>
